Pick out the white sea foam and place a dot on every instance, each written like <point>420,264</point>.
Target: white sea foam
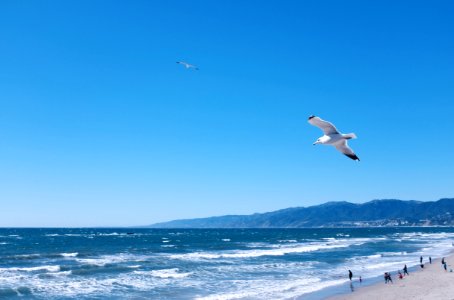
<point>32,269</point>
<point>26,256</point>
<point>164,273</point>
<point>281,250</point>
<point>121,234</point>
<point>275,249</point>
<point>388,254</point>
<point>342,234</point>
<point>289,288</point>
<point>73,254</point>
<point>226,240</point>
<point>57,274</point>
<point>418,236</point>
<point>134,266</point>
<point>111,259</point>
<point>59,284</point>
<point>302,267</point>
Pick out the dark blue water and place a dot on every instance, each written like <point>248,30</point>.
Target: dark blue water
<point>203,263</point>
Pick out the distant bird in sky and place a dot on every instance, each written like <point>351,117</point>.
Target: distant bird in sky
<point>333,137</point>
<point>188,66</point>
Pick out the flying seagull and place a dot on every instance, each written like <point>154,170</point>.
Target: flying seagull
<point>333,137</point>
<point>188,66</point>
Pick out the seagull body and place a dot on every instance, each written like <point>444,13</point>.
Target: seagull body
<point>333,137</point>
<point>188,66</point>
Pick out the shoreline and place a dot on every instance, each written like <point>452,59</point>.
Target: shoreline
<point>430,282</point>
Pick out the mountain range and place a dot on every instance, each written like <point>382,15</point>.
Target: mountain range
<point>388,212</point>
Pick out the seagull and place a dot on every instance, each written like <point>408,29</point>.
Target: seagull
<point>188,66</point>
<point>333,137</point>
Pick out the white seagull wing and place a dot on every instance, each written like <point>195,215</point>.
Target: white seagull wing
<point>343,147</point>
<point>327,127</point>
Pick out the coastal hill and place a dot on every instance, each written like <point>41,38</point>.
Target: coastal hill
<point>388,212</point>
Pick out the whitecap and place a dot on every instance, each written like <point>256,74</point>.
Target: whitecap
<point>25,256</point>
<point>49,268</point>
<point>111,234</point>
<point>73,254</point>
<point>134,266</point>
<point>111,259</point>
<point>279,251</point>
<point>164,273</point>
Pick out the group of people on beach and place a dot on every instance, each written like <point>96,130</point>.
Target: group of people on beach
<point>387,275</point>
<point>400,274</point>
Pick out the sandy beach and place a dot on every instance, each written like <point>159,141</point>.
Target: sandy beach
<point>431,282</point>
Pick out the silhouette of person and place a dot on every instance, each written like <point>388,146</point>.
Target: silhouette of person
<point>405,270</point>
<point>420,260</point>
<point>350,275</point>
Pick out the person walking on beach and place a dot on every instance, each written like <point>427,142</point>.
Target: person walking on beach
<point>389,277</point>
<point>350,275</point>
<point>445,265</point>
<point>443,261</point>
<point>420,260</point>
<point>430,260</point>
<point>400,274</point>
<point>405,270</point>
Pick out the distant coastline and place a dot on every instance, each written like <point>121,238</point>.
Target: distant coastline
<point>376,213</point>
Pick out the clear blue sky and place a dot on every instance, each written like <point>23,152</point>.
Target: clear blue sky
<point>100,127</point>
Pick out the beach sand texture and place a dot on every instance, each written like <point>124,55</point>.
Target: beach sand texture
<point>432,282</point>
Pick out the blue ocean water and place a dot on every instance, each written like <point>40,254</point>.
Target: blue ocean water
<point>204,263</point>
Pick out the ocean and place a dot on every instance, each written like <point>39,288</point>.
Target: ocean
<point>92,263</point>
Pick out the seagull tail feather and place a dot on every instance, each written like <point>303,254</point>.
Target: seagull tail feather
<point>349,136</point>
